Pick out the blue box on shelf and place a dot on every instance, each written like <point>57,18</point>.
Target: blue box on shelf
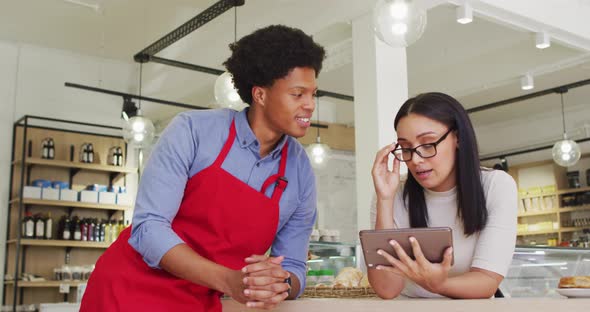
<point>42,183</point>
<point>60,185</point>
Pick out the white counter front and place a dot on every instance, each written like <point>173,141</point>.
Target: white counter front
<point>429,305</point>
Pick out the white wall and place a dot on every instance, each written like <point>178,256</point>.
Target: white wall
<point>32,82</point>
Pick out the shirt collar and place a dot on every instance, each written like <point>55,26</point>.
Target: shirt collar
<point>246,137</point>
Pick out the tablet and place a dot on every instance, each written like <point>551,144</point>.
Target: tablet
<point>433,242</point>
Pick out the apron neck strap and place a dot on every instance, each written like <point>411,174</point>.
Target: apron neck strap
<point>278,178</point>
<point>227,146</point>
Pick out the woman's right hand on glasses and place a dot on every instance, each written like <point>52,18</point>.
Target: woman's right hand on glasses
<point>386,181</point>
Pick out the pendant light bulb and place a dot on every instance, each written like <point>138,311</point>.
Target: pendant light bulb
<point>318,154</point>
<point>226,94</point>
<point>139,131</point>
<point>565,152</point>
<point>399,23</point>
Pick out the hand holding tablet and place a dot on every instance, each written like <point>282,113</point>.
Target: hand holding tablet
<point>433,243</point>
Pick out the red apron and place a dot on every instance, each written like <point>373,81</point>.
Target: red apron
<point>221,218</point>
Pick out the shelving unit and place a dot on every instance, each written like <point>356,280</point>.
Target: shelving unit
<point>540,213</point>
<point>74,165</point>
<point>41,256</point>
<point>45,284</point>
<point>557,213</point>
<point>537,232</point>
<point>72,204</point>
<point>59,243</point>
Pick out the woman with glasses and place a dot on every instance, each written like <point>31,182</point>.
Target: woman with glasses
<point>447,187</point>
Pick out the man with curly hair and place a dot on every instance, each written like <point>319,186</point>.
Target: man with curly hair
<point>222,187</point>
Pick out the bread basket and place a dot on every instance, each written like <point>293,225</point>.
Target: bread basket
<point>338,292</point>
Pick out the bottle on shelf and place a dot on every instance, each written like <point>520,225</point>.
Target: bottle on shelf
<point>91,227</point>
<point>39,226</point>
<point>102,230</point>
<point>84,153</point>
<point>120,227</point>
<point>107,232</point>
<point>66,228</point>
<point>45,149</point>
<point>51,149</point>
<point>77,231</point>
<point>49,226</point>
<point>114,231</point>
<point>84,229</point>
<point>96,235</point>
<point>90,153</point>
<point>28,226</point>
<point>112,160</point>
<point>120,156</point>
<point>92,230</point>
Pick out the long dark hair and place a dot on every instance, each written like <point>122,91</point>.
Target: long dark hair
<point>470,197</point>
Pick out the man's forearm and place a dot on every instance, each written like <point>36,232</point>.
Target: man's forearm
<point>295,286</point>
<point>183,262</point>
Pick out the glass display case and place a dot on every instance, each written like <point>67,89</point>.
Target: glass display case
<point>332,256</point>
<point>535,271</point>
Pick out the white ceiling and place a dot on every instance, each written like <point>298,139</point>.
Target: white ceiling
<point>479,63</point>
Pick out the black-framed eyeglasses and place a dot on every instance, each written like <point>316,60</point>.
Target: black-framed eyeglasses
<point>427,150</point>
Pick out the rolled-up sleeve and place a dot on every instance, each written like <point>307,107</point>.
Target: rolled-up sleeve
<point>292,241</point>
<point>161,191</point>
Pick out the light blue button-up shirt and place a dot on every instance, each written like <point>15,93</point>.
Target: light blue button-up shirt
<point>190,144</point>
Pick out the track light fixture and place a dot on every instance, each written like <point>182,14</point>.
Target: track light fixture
<point>464,13</point>
<point>526,82</point>
<point>129,109</point>
<point>542,40</point>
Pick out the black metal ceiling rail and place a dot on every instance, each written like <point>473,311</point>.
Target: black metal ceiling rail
<point>132,96</point>
<point>149,99</point>
<point>183,30</point>
<point>335,95</point>
<point>525,151</point>
<point>560,89</point>
<point>148,54</point>
<point>194,67</point>
<point>218,72</point>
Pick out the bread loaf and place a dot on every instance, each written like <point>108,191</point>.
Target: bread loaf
<point>574,282</point>
<point>348,277</point>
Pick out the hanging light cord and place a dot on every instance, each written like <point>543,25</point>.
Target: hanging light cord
<point>562,113</point>
<point>318,117</point>
<point>140,77</point>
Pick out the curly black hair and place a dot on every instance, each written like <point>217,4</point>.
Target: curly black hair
<point>270,53</point>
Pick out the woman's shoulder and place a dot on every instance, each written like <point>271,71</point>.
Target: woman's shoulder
<point>496,178</point>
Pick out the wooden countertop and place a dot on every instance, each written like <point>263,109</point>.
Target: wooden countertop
<point>429,305</point>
